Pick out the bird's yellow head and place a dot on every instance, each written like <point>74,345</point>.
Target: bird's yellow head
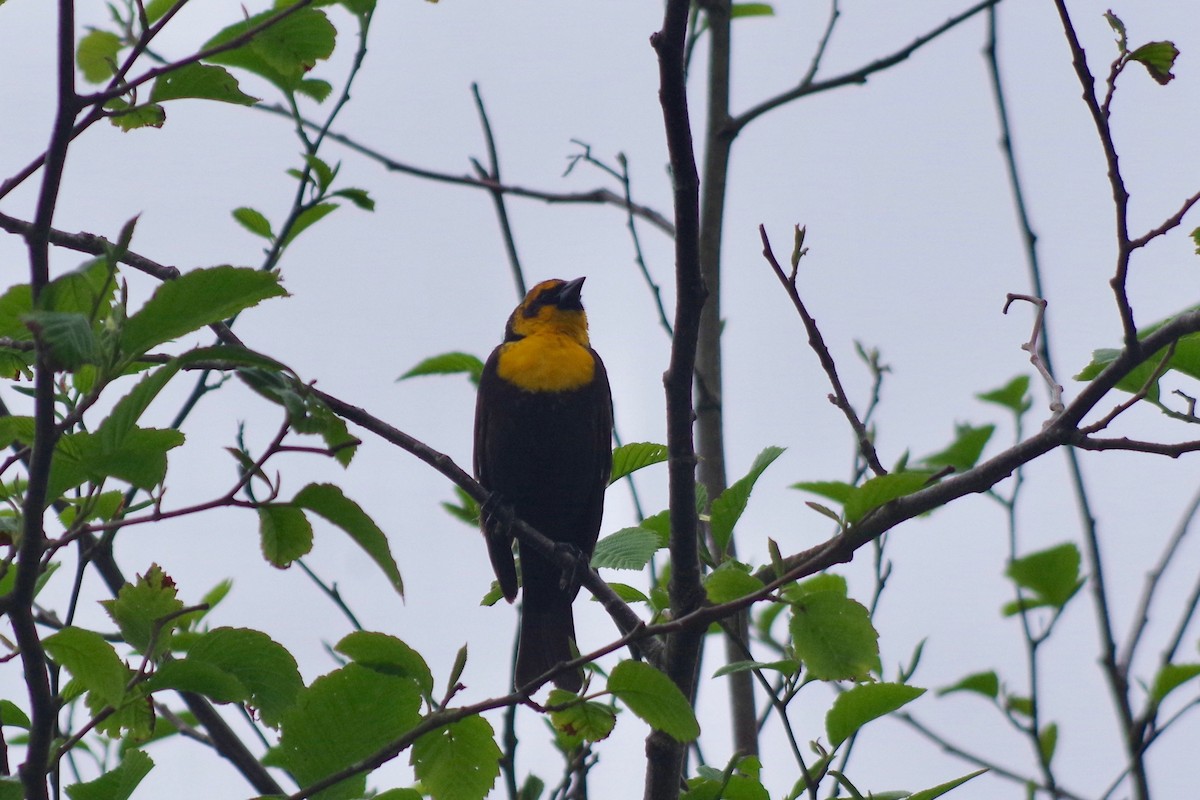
<point>552,307</point>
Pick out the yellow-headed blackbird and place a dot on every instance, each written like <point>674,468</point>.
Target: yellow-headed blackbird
<point>543,436</point>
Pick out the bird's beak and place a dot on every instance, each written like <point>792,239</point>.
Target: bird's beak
<point>568,296</point>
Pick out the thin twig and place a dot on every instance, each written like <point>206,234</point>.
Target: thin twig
<point>817,342</point>
<point>1035,357</point>
<point>491,176</point>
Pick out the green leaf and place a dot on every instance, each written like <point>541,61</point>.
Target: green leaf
<point>255,222</point>
<point>859,705</point>
<point>984,683</point>
<point>1118,27</point>
<point>729,581</point>
<point>13,716</point>
<point>580,721</point>
<point>138,458</point>
<point>92,662</point>
<point>628,548</point>
<point>943,788</point>
<point>1048,742</point>
<point>286,533</point>
<point>323,173</point>
<point>201,82</point>
<point>264,667</point>
<point>458,762</point>
<point>964,452</point>
<point>328,501</point>
<point>11,787</point>
<point>308,217</point>
<point>654,698</point>
<point>157,9</point>
<point>448,364</point>
<point>1158,58</point>
<point>69,337</point>
<point>628,593</point>
<point>1052,575</point>
<point>629,458</point>
<point>96,55</point>
<point>284,52</point>
<point>465,510</point>
<point>751,10</point>
<point>118,783</point>
<point>831,633</point>
<point>128,117</point>
<point>728,507</point>
<point>189,675</point>
<point>1185,359</point>
<point>358,197</point>
<point>837,491</point>
<point>197,298</point>
<point>1169,678</point>
<point>880,491</point>
<point>787,666</point>
<point>341,719</point>
<point>315,88</point>
<point>145,611</point>
<point>388,655</point>
<point>1013,395</point>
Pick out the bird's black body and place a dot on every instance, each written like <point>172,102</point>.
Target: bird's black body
<point>546,454</point>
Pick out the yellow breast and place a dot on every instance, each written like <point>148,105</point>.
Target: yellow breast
<point>547,362</point>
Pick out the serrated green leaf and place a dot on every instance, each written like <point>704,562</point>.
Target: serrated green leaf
<point>285,532</point>
<point>200,82</point>
<point>942,788</point>
<point>118,783</point>
<point>1013,395</point>
<point>859,705</point>
<point>387,654</point>
<point>96,55</point>
<point>964,452</point>
<point>342,718</point>
<point>629,458</point>
<point>315,88</point>
<point>1169,678</point>
<point>730,581</point>
<point>1052,575</point>
<point>628,548</point>
<point>1158,58</point>
<point>654,698</point>
<point>580,721</point>
<point>628,593</point>
<point>448,364</point>
<point>322,172</point>
<point>1185,359</point>
<point>197,298</point>
<point>458,762</point>
<point>984,683</point>
<point>264,667</point>
<point>728,507</point>
<point>833,635</point>
<point>68,336</point>
<point>139,458</point>
<point>328,501</point>
<point>145,611</point>
<point>255,222</point>
<point>1118,27</point>
<point>92,662</point>
<point>282,53</point>
<point>127,118</point>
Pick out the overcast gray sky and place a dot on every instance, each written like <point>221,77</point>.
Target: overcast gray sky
<point>913,247</point>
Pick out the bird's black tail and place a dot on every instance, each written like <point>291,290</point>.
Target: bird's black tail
<point>547,631</point>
